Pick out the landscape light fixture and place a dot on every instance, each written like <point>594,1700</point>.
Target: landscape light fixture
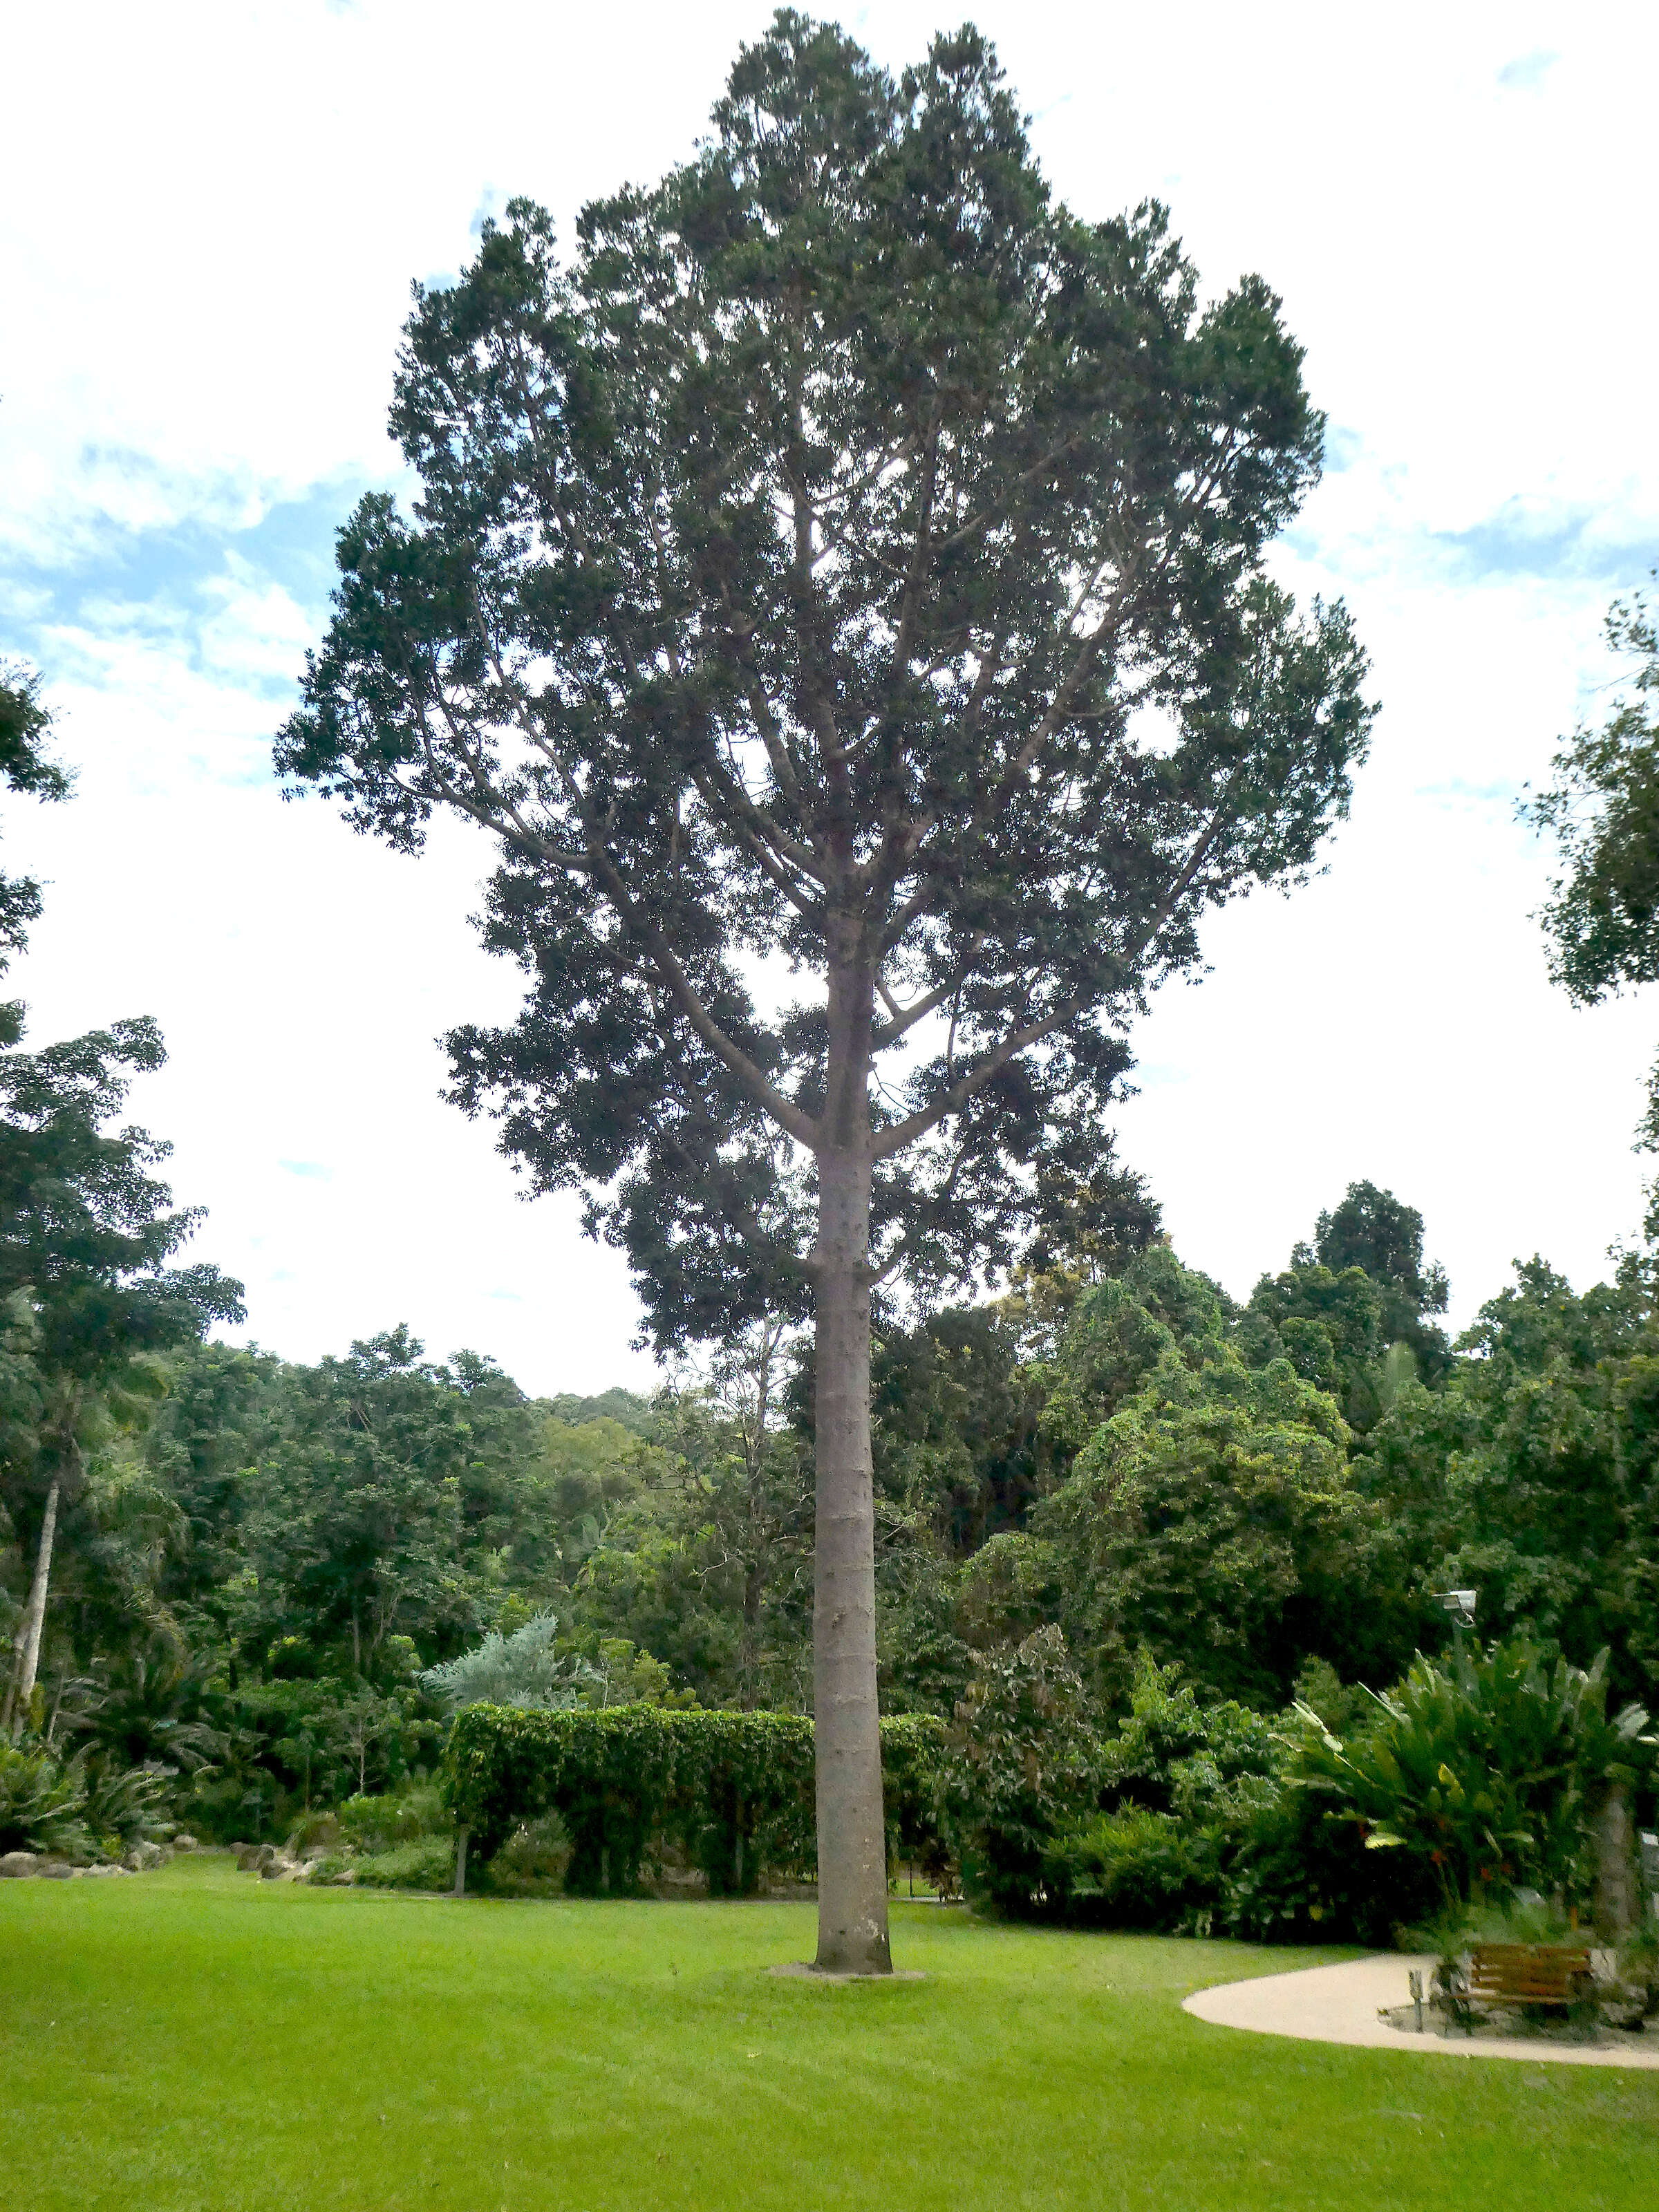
<point>1461,1606</point>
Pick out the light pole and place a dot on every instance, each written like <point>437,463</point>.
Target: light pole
<point>1460,1604</point>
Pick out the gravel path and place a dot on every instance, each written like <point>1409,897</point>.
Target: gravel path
<point>1339,2004</point>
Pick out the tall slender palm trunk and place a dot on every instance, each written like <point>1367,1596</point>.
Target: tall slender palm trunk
<point>26,1647</point>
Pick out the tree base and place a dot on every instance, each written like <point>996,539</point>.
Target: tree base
<point>803,1971</point>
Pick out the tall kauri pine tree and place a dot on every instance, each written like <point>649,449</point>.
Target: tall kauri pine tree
<point>848,566</point>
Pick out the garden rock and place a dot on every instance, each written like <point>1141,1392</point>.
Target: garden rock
<point>18,1863</point>
<point>144,1855</point>
<point>186,1844</point>
<point>277,1869</point>
<point>56,1870</point>
<point>253,1858</point>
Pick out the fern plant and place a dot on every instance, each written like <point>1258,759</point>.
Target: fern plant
<point>42,1801</point>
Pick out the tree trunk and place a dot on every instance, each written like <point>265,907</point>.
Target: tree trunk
<point>1617,1903</point>
<point>852,1835</point>
<point>460,1863</point>
<point>27,1646</point>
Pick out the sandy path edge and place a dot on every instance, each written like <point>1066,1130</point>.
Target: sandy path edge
<point>1339,2004</point>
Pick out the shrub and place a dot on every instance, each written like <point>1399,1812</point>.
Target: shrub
<point>383,1823</point>
<point>522,1670</point>
<point>1136,1869</point>
<point>1022,1763</point>
<point>429,1863</point>
<point>911,1774</point>
<point>41,1801</point>
<point>125,1805</point>
<point>1173,1754</point>
<point>532,1861</point>
<point>1294,1871</point>
<point>314,1828</point>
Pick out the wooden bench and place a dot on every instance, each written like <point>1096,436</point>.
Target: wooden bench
<point>1530,1973</point>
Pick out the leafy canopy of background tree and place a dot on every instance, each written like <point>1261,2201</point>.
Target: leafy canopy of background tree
<point>1603,807</point>
<point>25,725</point>
<point>852,559</point>
<point>85,1234</point>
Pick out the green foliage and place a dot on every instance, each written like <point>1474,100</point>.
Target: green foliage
<point>385,1823</point>
<point>42,1799</point>
<point>856,312</point>
<point>533,1862</point>
<point>913,1752</point>
<point>1201,1829</point>
<point>1023,1760</point>
<point>1180,1783</point>
<point>953,1427</point>
<point>1293,1871</point>
<point>1123,1331</point>
<point>1489,1770</point>
<point>521,1669</point>
<point>1174,1753</point>
<point>1603,808</point>
<point>125,1805</point>
<point>1136,1869</point>
<point>427,1863</point>
<point>1534,1475</point>
<point>25,767</point>
<point>1211,1521</point>
<point>732,1791</point>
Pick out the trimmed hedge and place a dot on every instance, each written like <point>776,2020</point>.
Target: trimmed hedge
<point>733,1790</point>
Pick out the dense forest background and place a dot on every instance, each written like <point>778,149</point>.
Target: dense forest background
<point>262,1558</point>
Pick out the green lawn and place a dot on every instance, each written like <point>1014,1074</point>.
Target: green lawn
<point>195,2038</point>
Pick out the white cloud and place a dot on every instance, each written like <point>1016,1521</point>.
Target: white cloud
<point>209,219</point>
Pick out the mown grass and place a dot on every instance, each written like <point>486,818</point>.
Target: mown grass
<point>199,2041</point>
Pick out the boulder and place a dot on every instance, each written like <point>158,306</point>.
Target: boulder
<point>253,1858</point>
<point>277,1869</point>
<point>17,1863</point>
<point>184,1842</point>
<point>143,1856</point>
<point>56,1870</point>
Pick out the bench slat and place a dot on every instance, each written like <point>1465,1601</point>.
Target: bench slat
<point>1530,1972</point>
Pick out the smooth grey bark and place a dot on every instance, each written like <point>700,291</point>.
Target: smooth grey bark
<point>1617,1902</point>
<point>461,1862</point>
<point>28,1643</point>
<point>852,1829</point>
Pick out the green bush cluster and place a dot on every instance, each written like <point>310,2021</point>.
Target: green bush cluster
<point>371,1823</point>
<point>732,1791</point>
<point>1464,1785</point>
<point>429,1863</point>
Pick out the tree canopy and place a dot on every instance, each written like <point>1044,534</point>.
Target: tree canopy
<point>1602,915</point>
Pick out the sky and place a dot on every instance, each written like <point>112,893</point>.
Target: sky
<point>210,217</point>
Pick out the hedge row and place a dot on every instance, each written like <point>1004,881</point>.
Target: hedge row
<point>734,1791</point>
